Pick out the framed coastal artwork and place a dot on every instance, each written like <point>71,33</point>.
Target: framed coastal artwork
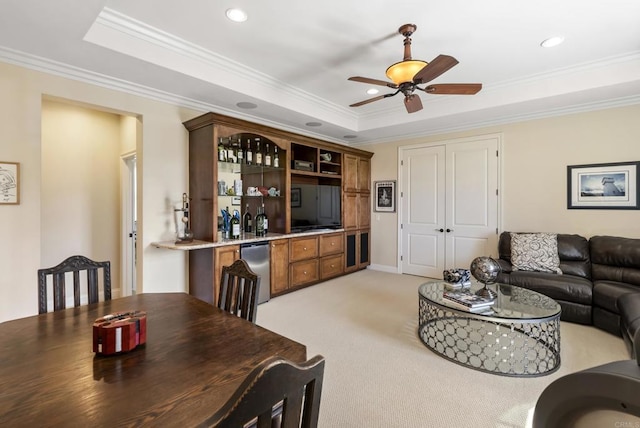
<point>604,186</point>
<point>9,183</point>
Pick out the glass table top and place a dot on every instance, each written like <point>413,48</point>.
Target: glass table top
<point>511,302</point>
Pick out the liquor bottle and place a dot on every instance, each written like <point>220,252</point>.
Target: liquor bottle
<point>226,223</point>
<point>247,220</point>
<point>239,151</point>
<point>231,156</point>
<point>276,160</point>
<point>235,225</point>
<point>265,222</point>
<point>267,156</point>
<point>260,222</point>
<point>249,153</point>
<point>258,153</point>
<point>222,153</point>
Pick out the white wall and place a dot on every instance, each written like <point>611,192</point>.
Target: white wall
<point>162,149</point>
<point>534,169</point>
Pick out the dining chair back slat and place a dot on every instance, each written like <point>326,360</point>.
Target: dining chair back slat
<point>239,289</point>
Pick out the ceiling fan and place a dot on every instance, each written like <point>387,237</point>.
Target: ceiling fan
<point>407,74</point>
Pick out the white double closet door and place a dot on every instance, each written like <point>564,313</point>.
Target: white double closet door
<point>449,204</point>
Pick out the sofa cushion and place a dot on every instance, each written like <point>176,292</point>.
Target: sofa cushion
<point>559,287</point>
<point>535,252</point>
<point>573,251</point>
<point>606,294</point>
<point>615,259</point>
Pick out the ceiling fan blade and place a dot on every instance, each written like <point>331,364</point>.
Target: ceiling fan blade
<point>373,81</point>
<point>370,100</point>
<point>412,103</point>
<point>454,88</point>
<point>434,69</point>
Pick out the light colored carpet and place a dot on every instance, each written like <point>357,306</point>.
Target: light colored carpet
<point>379,374</point>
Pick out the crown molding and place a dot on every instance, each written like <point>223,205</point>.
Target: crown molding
<point>506,119</point>
<point>44,65</point>
<point>131,27</point>
<point>48,66</point>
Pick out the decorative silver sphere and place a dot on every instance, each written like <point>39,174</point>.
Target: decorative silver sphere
<point>486,270</point>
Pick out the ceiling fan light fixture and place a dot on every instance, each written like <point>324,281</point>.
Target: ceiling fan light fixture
<point>403,71</point>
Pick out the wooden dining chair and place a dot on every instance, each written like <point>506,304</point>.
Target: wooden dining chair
<point>277,393</point>
<point>75,264</point>
<point>239,288</point>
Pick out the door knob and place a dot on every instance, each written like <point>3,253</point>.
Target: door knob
<point>449,230</point>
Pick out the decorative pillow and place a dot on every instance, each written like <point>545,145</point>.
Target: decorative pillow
<point>535,252</point>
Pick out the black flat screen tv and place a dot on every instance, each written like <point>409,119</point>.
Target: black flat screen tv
<point>315,206</point>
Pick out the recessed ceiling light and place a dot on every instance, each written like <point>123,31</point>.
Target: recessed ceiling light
<point>244,104</point>
<point>350,136</point>
<point>372,91</point>
<point>552,41</point>
<point>236,15</point>
<point>313,124</point>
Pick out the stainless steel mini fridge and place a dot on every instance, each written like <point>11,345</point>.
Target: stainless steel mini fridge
<point>256,254</point>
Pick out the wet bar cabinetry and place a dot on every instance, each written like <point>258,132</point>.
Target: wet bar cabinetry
<point>220,179</point>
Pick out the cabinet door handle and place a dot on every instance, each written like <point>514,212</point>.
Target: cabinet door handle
<point>449,230</point>
<point>439,230</point>
<point>305,248</point>
<point>333,243</point>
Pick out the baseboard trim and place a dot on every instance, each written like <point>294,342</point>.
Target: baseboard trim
<point>384,268</point>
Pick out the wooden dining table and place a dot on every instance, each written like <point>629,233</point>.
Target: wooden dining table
<point>195,357</point>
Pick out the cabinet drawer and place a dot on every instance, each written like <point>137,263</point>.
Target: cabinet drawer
<point>303,248</point>
<point>304,272</point>
<point>331,266</point>
<point>331,244</point>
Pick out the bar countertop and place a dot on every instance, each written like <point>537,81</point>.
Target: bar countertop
<point>198,245</point>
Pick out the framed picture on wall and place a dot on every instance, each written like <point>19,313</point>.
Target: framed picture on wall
<point>385,196</point>
<point>9,183</point>
<point>604,186</point>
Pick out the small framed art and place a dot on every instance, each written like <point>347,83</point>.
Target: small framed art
<point>385,195</point>
<point>604,186</point>
<point>9,183</point>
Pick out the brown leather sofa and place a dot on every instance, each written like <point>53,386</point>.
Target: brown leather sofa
<point>599,285</point>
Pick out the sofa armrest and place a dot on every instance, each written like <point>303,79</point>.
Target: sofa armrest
<point>505,266</point>
<point>574,395</point>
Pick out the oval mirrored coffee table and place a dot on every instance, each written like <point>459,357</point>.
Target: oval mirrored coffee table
<point>519,336</point>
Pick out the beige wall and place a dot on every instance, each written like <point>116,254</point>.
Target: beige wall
<point>534,168</point>
<point>80,192</point>
<point>162,150</point>
<point>534,162</point>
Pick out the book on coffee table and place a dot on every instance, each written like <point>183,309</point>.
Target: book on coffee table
<point>467,301</point>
